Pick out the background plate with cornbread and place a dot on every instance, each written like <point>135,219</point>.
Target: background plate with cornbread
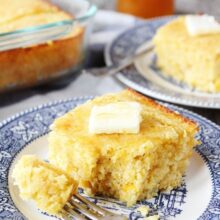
<point>27,132</point>
<point>146,77</point>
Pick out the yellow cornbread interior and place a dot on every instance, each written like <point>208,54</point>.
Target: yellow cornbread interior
<point>128,167</point>
<point>18,14</point>
<point>48,186</point>
<point>191,59</point>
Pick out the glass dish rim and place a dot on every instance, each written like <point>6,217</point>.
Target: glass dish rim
<point>90,13</point>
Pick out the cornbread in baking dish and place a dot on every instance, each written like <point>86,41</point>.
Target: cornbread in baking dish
<point>125,166</point>
<point>27,66</point>
<point>48,186</point>
<point>18,14</point>
<point>194,60</point>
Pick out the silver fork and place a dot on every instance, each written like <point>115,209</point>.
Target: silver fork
<point>80,208</point>
<point>116,68</point>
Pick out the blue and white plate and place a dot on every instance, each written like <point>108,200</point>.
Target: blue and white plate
<point>197,198</point>
<point>144,75</point>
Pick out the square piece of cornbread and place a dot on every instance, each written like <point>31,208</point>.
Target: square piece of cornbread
<point>48,186</point>
<point>32,64</point>
<point>194,60</point>
<point>125,166</point>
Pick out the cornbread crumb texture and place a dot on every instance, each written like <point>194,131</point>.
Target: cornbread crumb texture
<point>128,167</point>
<point>144,210</point>
<point>48,186</point>
<point>191,59</point>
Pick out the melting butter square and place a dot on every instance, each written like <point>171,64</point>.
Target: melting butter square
<point>119,117</point>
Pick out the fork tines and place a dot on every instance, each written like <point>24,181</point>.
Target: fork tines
<point>82,209</point>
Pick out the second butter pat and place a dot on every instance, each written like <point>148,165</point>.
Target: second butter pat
<point>201,24</point>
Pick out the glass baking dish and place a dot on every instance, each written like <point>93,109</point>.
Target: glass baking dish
<point>37,54</point>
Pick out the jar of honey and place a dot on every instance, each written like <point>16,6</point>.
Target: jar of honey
<point>146,8</point>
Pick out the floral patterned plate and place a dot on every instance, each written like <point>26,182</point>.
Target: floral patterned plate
<point>197,198</point>
<point>145,77</point>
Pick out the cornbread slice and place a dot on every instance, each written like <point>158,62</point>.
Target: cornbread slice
<point>191,59</point>
<point>128,167</point>
<point>48,186</point>
<point>27,66</point>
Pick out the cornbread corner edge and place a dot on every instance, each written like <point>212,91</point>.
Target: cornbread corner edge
<point>49,187</point>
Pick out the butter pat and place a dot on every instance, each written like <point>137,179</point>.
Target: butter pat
<point>119,117</point>
<point>201,24</point>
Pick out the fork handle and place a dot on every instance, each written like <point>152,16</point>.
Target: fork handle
<point>116,68</point>
<point>113,69</point>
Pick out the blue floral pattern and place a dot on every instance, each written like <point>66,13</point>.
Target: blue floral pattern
<point>20,130</point>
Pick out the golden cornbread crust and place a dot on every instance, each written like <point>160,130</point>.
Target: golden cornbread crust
<point>128,167</point>
<point>146,100</point>
<point>28,66</point>
<point>48,186</point>
<point>194,60</point>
